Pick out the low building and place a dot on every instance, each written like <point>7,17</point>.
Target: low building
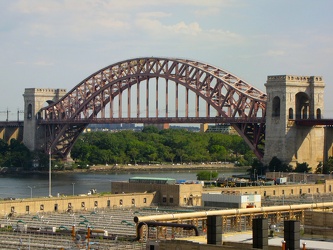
<point>167,193</point>
<point>231,199</point>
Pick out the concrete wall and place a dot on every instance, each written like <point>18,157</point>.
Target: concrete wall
<point>319,222</point>
<point>7,133</point>
<point>76,203</point>
<point>283,190</point>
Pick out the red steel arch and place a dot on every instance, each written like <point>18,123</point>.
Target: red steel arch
<point>234,100</point>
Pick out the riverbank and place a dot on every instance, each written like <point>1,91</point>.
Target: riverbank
<point>133,168</point>
<point>165,168</point>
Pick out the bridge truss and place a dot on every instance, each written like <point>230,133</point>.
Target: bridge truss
<point>155,90</point>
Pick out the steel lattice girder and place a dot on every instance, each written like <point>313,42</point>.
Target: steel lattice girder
<point>227,94</point>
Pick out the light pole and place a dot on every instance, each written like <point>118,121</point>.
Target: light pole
<point>50,191</point>
<point>30,192</point>
<point>73,188</point>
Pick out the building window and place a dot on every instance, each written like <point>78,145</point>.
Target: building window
<point>330,188</point>
<point>12,209</point>
<point>273,192</point>
<point>96,203</point>
<point>171,199</point>
<point>282,191</point>
<point>317,190</point>
<point>69,205</point>
<point>108,203</point>
<point>83,204</point>
<point>292,191</point>
<point>164,199</point>
<point>309,190</point>
<point>41,207</point>
<point>133,201</point>
<point>27,209</point>
<point>144,200</point>
<point>120,202</point>
<point>300,191</point>
<point>55,207</point>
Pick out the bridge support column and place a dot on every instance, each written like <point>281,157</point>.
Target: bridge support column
<point>293,98</point>
<point>34,100</point>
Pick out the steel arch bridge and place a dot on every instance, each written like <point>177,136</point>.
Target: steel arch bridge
<point>102,97</point>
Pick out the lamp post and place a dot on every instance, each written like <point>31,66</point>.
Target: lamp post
<point>73,188</point>
<point>30,192</point>
<point>50,191</point>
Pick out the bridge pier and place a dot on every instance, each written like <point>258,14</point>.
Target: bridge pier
<point>293,98</point>
<point>34,100</point>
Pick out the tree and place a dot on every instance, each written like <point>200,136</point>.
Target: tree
<point>328,166</point>
<point>302,167</point>
<point>206,175</point>
<point>257,168</point>
<point>276,165</point>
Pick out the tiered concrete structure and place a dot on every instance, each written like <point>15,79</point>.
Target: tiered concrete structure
<point>291,98</point>
<point>34,100</point>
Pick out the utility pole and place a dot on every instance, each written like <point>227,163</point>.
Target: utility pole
<point>18,114</point>
<point>6,112</point>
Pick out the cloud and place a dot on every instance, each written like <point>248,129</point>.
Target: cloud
<point>275,53</point>
<point>36,63</point>
<point>70,18</point>
<point>157,28</point>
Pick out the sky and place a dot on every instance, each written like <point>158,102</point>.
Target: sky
<point>58,43</point>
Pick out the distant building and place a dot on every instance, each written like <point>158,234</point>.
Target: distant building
<point>221,128</point>
<point>167,193</point>
<point>232,199</point>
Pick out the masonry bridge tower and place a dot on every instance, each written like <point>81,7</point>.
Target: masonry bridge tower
<point>34,100</point>
<point>291,99</point>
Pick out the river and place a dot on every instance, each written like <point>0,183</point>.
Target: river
<point>80,183</point>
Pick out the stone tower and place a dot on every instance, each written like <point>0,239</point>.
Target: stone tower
<point>291,98</point>
<point>34,100</point>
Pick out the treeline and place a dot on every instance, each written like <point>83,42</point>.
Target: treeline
<point>160,146</point>
<point>15,154</point>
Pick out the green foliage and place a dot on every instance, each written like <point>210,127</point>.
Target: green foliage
<point>159,146</point>
<point>257,168</point>
<point>15,154</point>
<point>206,175</point>
<point>302,167</point>
<point>276,165</point>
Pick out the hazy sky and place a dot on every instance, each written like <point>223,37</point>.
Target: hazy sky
<point>58,43</point>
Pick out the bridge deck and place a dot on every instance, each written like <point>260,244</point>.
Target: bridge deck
<point>157,120</point>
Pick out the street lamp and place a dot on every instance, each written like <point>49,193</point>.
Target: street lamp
<point>30,192</point>
<point>50,192</point>
<point>73,188</point>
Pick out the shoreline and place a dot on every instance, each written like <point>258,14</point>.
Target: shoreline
<point>137,168</point>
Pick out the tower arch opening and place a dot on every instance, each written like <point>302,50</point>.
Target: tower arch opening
<point>291,114</point>
<point>302,106</point>
<point>318,113</point>
<point>276,106</point>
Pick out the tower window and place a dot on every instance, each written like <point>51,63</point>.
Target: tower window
<point>291,113</point>
<point>276,106</point>
<point>318,114</point>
